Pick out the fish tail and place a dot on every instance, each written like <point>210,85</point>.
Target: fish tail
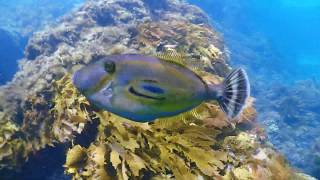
<point>233,93</point>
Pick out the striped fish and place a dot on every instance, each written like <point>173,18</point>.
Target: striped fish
<point>144,88</point>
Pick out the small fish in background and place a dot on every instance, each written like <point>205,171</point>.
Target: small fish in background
<point>143,88</point>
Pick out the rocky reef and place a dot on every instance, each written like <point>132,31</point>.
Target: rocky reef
<point>40,107</point>
<point>295,111</point>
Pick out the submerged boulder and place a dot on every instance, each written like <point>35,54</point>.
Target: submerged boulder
<point>40,107</point>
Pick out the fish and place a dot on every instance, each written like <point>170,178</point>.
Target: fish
<point>144,88</point>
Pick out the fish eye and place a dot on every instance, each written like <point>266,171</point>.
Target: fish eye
<point>110,66</point>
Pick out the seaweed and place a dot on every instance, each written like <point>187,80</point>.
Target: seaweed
<point>69,111</point>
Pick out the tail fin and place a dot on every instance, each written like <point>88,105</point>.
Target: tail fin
<point>236,90</point>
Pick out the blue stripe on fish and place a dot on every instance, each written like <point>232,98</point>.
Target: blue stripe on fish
<point>136,93</point>
<point>153,89</point>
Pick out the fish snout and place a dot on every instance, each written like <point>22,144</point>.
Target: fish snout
<point>88,78</point>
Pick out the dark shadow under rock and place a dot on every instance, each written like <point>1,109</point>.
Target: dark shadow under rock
<point>45,165</point>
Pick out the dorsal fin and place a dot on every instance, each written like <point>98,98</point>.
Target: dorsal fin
<point>172,56</point>
<point>180,59</point>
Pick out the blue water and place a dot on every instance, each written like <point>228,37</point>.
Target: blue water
<point>293,29</point>
<point>278,42</point>
<point>18,21</point>
<point>290,27</point>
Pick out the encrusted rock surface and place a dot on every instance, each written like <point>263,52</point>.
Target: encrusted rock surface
<point>40,106</point>
<point>295,112</point>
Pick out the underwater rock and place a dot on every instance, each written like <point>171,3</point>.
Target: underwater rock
<point>295,113</point>
<point>41,107</point>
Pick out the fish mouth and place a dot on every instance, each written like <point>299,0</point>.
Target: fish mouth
<point>133,91</point>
